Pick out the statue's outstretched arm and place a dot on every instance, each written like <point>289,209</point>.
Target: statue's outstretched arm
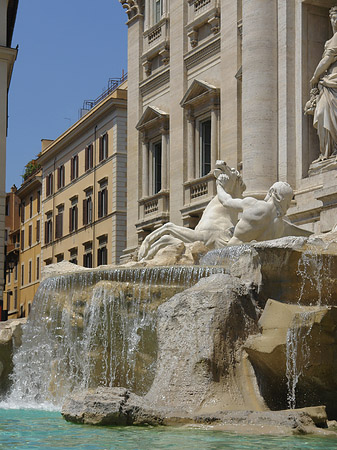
<point>226,199</point>
<point>322,67</point>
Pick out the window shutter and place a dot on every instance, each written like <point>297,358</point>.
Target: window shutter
<point>38,231</point>
<point>85,212</point>
<point>91,156</point>
<point>99,257</point>
<point>99,203</point>
<point>47,186</point>
<point>76,167</point>
<point>59,178</point>
<point>76,218</point>
<point>106,202</point>
<point>106,146</point>
<point>86,163</point>
<point>70,220</point>
<point>100,148</point>
<point>22,213</point>
<point>22,239</point>
<point>51,183</point>
<point>72,169</point>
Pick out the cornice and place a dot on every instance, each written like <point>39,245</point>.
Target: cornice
<point>133,7</point>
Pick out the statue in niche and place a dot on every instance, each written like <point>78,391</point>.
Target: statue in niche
<point>215,227</point>
<point>323,95</point>
<point>261,220</point>
<point>219,225</point>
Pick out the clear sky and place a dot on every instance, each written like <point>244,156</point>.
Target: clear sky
<point>68,49</point>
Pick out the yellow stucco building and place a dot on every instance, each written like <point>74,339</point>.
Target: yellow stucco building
<point>84,187</point>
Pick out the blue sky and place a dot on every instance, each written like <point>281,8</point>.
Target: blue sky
<point>68,49</point>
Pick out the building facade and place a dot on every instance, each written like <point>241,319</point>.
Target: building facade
<point>8,9</point>
<point>223,79</point>
<point>84,187</point>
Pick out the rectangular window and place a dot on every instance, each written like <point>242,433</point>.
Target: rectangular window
<point>73,255</point>
<point>30,235</point>
<point>73,218</point>
<point>9,277</point>
<point>87,256</point>
<point>15,298</point>
<point>59,257</point>
<point>156,167</point>
<point>38,231</point>
<point>8,301</point>
<point>31,207</point>
<point>89,157</point>
<point>157,10</point>
<point>205,147</point>
<point>22,239</point>
<point>60,177</point>
<point>29,271</point>
<point>49,184</point>
<point>23,211</point>
<point>38,201</point>
<point>22,274</point>
<point>103,147</point>
<point>74,167</point>
<point>7,206</point>
<point>48,229</point>
<point>16,272</point>
<point>38,268</point>
<point>59,223</point>
<point>102,252</point>
<point>102,202</point>
<point>87,210</point>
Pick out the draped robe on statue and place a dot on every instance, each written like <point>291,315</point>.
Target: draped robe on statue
<point>325,117</point>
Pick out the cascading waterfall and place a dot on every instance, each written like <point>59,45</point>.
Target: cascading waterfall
<point>93,328</point>
<point>297,353</point>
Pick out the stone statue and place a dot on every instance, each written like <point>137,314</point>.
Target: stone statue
<point>215,227</point>
<point>323,95</point>
<point>261,220</point>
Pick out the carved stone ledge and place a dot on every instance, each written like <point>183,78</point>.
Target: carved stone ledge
<point>132,7</point>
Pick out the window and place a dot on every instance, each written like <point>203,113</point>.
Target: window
<point>156,167</point>
<point>87,208</point>
<point>29,307</point>
<point>87,256</point>
<point>22,311</point>
<point>60,177</point>
<point>102,202</point>
<point>74,167</point>
<point>48,229</point>
<point>31,207</point>
<point>22,239</point>
<point>22,274</point>
<point>29,271</point>
<point>8,301</point>
<point>59,257</point>
<point>89,157</point>
<point>47,261</point>
<point>205,147</point>
<point>73,255</point>
<point>15,298</point>
<point>49,184</point>
<point>102,252</point>
<point>157,10</point>
<point>59,222</point>
<point>7,206</point>
<point>23,211</point>
<point>38,201</point>
<point>103,147</point>
<point>73,216</point>
<point>38,230</point>
<point>9,277</point>
<point>38,268</point>
<point>30,235</point>
<point>16,272</point>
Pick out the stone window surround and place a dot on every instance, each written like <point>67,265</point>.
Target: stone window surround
<point>156,42</point>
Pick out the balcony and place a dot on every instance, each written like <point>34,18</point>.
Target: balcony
<point>202,13</point>
<point>153,211</point>
<point>156,42</point>
<point>197,194</point>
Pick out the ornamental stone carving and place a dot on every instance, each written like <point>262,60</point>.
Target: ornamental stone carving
<point>133,7</point>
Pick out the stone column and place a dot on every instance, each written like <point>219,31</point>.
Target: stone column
<point>164,148</point>
<point>190,146</point>
<point>145,164</point>
<point>214,134</point>
<point>259,95</point>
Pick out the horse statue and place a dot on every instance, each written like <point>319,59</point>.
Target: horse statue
<point>215,227</point>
